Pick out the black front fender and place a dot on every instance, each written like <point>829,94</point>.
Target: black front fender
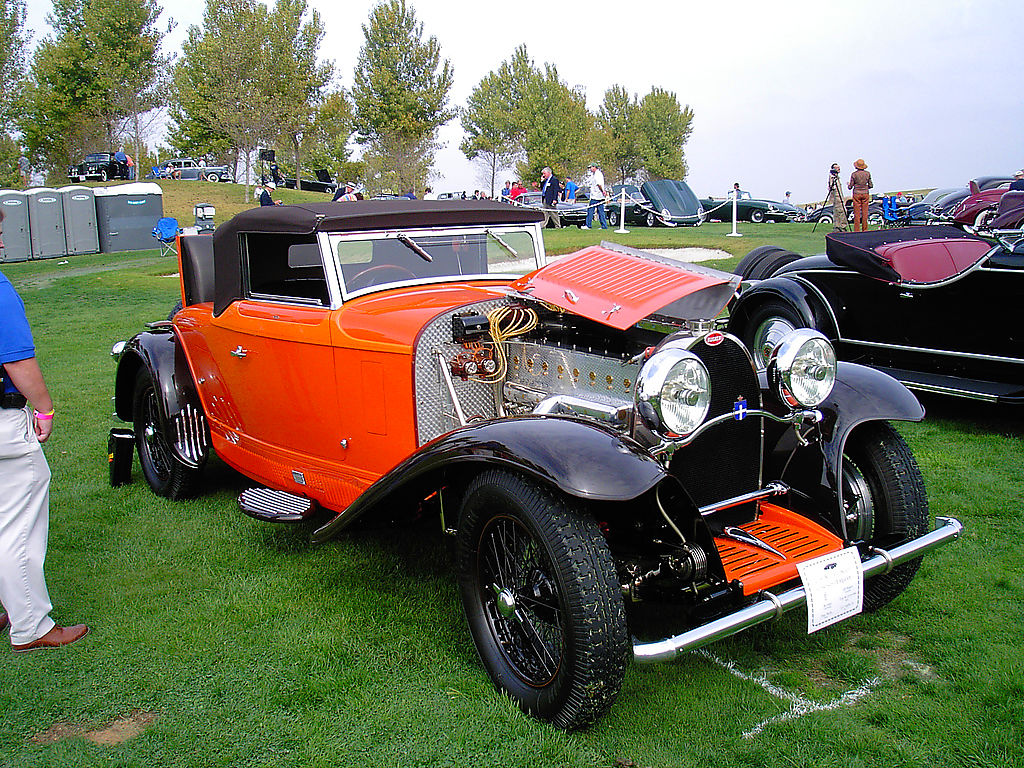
<point>808,305</point>
<point>860,395</point>
<point>579,458</point>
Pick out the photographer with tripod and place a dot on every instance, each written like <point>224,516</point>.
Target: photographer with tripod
<point>835,199</point>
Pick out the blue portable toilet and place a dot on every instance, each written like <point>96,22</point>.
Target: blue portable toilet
<point>80,233</point>
<point>46,223</point>
<point>17,240</point>
<point>126,215</point>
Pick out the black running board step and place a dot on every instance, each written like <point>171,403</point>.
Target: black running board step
<point>958,386</point>
<point>276,506</point>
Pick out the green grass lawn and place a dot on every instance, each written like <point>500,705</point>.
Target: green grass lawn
<point>230,642</point>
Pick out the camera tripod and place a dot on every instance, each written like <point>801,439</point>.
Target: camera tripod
<point>834,182</point>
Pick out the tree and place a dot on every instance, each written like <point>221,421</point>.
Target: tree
<point>326,140</point>
<point>294,80</point>
<point>13,56</point>
<point>617,137</point>
<point>101,66</point>
<point>664,127</point>
<point>524,113</point>
<point>400,95</point>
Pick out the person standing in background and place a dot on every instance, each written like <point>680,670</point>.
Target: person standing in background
<point>595,182</point>
<point>836,200</point>
<point>860,183</point>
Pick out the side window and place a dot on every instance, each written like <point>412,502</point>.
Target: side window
<point>285,268</point>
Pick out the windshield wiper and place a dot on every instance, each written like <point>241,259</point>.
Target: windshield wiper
<point>412,245</point>
<point>511,251</point>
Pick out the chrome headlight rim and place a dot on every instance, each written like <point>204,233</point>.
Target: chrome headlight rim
<point>788,371</point>
<point>655,383</point>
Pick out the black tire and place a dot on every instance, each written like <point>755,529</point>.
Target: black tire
<point>886,502</point>
<point>103,175</point>
<point>752,259</point>
<point>757,216</point>
<point>825,219</point>
<point>772,263</point>
<point>541,598</point>
<point>164,472</point>
<point>214,177</point>
<point>650,219</point>
<point>765,328</point>
<point>174,310</point>
<point>613,217</point>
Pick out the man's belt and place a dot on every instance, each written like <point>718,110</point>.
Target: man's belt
<point>12,400</point>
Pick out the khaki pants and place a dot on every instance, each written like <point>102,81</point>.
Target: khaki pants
<point>860,211</point>
<point>24,527</point>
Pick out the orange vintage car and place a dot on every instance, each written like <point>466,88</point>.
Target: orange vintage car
<point>585,429</point>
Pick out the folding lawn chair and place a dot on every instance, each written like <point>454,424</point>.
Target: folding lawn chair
<point>166,230</point>
<point>892,216</point>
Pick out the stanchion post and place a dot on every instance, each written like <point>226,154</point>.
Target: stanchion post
<point>622,212</point>
<point>734,233</point>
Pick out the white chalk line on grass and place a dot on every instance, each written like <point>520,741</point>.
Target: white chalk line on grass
<point>799,706</point>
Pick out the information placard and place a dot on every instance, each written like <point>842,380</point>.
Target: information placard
<point>835,587</point>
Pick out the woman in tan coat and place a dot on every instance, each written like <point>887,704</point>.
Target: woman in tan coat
<point>860,183</point>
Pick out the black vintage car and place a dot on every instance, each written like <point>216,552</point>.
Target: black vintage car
<point>901,300</point>
<point>618,480</point>
<point>628,199</point>
<point>98,166</point>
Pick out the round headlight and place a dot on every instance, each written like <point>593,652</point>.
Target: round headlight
<point>666,213</point>
<point>803,368</point>
<point>673,392</point>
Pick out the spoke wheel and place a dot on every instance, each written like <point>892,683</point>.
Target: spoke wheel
<point>885,502</point>
<point>164,472</point>
<point>541,599</point>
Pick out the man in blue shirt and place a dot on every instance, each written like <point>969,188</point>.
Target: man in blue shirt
<point>26,420</point>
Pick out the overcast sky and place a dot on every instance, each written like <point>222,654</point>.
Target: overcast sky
<point>923,90</point>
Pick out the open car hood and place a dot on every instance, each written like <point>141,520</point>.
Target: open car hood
<point>619,286</point>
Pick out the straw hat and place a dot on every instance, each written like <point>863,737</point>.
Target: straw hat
<point>860,164</point>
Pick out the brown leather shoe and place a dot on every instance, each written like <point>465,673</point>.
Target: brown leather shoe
<point>55,638</point>
<point>4,622</point>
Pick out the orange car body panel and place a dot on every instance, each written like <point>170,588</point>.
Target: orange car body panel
<point>315,401</point>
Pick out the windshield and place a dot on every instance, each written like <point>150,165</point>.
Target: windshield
<point>97,157</point>
<point>371,261</point>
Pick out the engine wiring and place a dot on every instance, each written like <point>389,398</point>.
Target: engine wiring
<point>506,323</point>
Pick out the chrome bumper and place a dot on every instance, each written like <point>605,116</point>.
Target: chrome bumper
<point>772,606</point>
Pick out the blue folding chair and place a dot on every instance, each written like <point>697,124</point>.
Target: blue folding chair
<point>166,231</point>
<point>892,216</point>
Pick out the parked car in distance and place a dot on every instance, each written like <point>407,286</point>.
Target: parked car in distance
<point>188,169</point>
<point>98,166</point>
<point>638,209</point>
<point>569,213</point>
<point>675,203</point>
<point>597,447</point>
<point>324,182</point>
<point>747,209</point>
<point>885,299</point>
<point>824,215</point>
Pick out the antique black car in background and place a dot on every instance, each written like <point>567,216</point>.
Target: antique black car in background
<point>98,166</point>
<point>906,301</point>
<point>601,451</point>
<point>672,204</point>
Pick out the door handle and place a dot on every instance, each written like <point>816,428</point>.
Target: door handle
<point>239,351</point>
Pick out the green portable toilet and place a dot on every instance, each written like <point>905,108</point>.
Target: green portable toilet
<point>17,241</point>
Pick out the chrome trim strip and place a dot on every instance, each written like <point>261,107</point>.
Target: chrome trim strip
<point>669,445</point>
<point>769,607</point>
<point>447,375</point>
<point>969,394</point>
<point>774,488</point>
<point>947,353</point>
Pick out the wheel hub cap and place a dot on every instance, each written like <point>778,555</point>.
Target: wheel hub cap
<point>506,603</point>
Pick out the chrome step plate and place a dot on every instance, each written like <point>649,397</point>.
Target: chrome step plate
<point>276,506</point>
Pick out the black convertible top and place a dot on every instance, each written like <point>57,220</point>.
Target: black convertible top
<point>856,249</point>
<point>363,215</point>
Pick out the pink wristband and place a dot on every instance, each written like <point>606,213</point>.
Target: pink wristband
<point>44,416</point>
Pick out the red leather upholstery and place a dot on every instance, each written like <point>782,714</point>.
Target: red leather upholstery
<point>928,261</point>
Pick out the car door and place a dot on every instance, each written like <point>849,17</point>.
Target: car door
<point>273,353</point>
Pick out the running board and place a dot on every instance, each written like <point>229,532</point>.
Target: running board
<point>276,506</point>
<point>771,606</point>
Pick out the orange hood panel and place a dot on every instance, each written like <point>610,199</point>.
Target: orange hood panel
<point>618,289</point>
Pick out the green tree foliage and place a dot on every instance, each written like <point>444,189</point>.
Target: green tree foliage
<point>101,65</point>
<point>400,96</point>
<point>617,137</point>
<point>526,114</point>
<point>13,53</point>
<point>663,128</point>
<point>326,139</point>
